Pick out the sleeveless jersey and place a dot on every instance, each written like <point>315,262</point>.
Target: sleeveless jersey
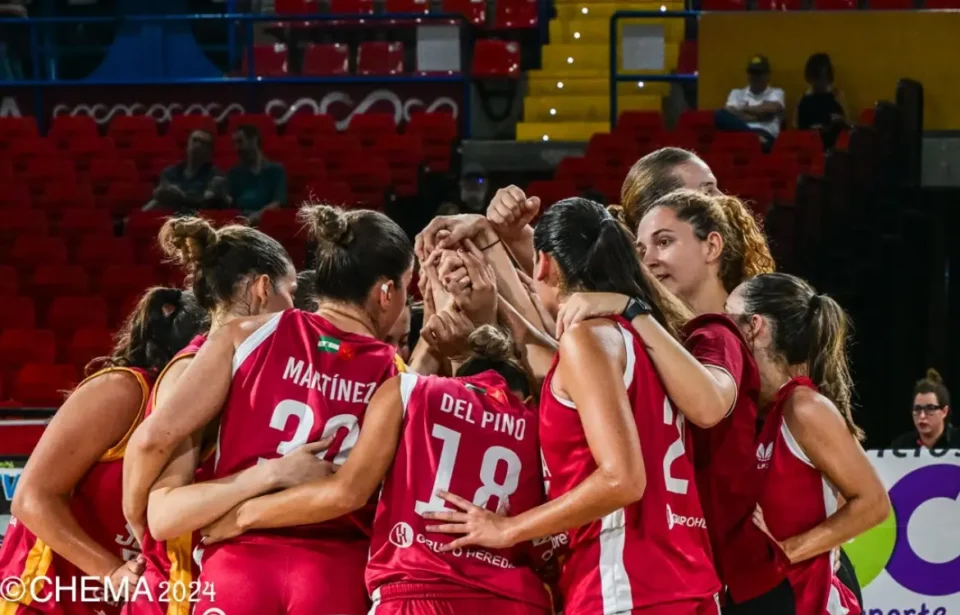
<point>797,497</point>
<point>97,505</point>
<point>171,563</point>
<point>729,461</point>
<point>470,436</point>
<point>300,379</point>
<point>654,551</point>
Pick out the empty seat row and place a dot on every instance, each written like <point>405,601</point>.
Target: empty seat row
<point>507,14</point>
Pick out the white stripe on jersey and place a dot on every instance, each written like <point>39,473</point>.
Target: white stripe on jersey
<point>407,382</point>
<point>614,583</point>
<point>253,342</point>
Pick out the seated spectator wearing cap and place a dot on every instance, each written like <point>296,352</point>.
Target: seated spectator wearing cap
<point>822,106</point>
<point>194,183</point>
<point>256,184</point>
<point>931,417</point>
<point>757,107</point>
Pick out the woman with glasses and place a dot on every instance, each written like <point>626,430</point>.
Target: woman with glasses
<point>931,417</point>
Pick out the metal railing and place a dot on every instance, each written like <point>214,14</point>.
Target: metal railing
<point>615,41</point>
<point>43,51</point>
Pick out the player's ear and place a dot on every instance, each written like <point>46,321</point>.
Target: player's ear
<point>260,289</point>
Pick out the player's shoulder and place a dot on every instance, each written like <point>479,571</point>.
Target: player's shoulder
<point>807,410</point>
<point>712,326</point>
<point>595,334</point>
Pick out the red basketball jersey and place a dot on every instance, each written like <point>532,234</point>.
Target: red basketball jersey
<point>655,551</point>
<point>470,436</point>
<point>97,505</point>
<point>299,379</point>
<point>797,497</point>
<point>730,465</point>
<point>171,562</point>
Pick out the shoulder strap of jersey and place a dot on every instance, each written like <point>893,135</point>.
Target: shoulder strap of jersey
<point>117,450</point>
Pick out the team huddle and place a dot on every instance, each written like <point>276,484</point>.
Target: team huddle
<point>607,412</point>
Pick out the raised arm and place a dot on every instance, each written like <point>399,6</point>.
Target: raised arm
<point>93,419</point>
<point>823,435</point>
<point>704,394</point>
<point>591,374</point>
<point>339,494</point>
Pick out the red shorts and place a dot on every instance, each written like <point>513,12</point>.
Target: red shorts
<point>286,576</point>
<point>397,599</point>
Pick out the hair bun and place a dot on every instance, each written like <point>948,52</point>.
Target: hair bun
<point>187,241</point>
<point>491,343</point>
<point>617,212</point>
<point>934,376</point>
<point>327,223</point>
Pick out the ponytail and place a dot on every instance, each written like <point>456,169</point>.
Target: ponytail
<point>933,383</point>
<point>491,348</point>
<point>756,257</point>
<point>807,329</point>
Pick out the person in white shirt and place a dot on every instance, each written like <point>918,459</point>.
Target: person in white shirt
<point>758,107</point>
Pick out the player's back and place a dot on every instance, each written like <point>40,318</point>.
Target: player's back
<point>299,379</point>
<point>472,437</point>
<point>655,551</point>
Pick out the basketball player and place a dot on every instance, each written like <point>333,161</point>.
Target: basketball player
<point>700,248</point>
<point>799,341</point>
<point>235,271</point>
<point>638,542</point>
<point>67,516</point>
<point>285,380</point>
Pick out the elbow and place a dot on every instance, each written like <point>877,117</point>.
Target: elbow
<point>877,508</point>
<point>708,411</point>
<point>161,526</point>
<point>29,506</point>
<point>625,486</point>
<point>149,439</point>
<point>349,500</point>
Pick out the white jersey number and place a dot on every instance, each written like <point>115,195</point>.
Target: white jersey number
<point>676,451</point>
<point>488,470</point>
<point>289,408</point>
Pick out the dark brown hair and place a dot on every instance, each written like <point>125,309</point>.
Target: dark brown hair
<point>355,249</point>
<point>808,328</point>
<point>163,322</point>
<point>595,254</point>
<point>217,261</point>
<point>304,299</point>
<point>745,250</point>
<point>933,383</point>
<point>648,179</point>
<point>491,348</point>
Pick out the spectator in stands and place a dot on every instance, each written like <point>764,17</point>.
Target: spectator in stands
<point>195,183</point>
<point>822,106</point>
<point>256,184</point>
<point>473,189</point>
<point>757,107</point>
<point>931,417</point>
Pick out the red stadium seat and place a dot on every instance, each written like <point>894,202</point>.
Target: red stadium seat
<point>125,129</point>
<point>17,222</point>
<point>515,14</point>
<point>369,179</point>
<point>22,151</point>
<point>281,224</point>
<point>326,60</point>
<point>9,283</point>
<point>380,58</point>
<point>83,151</point>
<point>336,149</point>
<point>834,5</point>
<point>295,7</point>
<point>798,141</point>
<point>743,146</point>
<point>42,172</point>
<point>222,217</point>
<point>474,10</point>
<point>369,127</point>
<point>891,5</point>
<point>95,252</point>
<point>87,344</point>
<point>268,61</point>
<point>15,196</point>
<point>610,150</point>
<point>404,155</point>
<point>68,313</point>
<point>409,7</point>
<point>86,222</point>
<point>723,165</point>
<point>51,281</point>
<point>781,169</point>
<point>17,313</point>
<point>26,345</point>
<point>757,193</point>
<point>40,385</point>
<point>307,127</point>
<point>575,170</point>
<point>302,171</point>
<point>779,5</point>
<point>143,226</point>
<point>58,198</point>
<point>281,148</point>
<point>12,128</point>
<point>181,126</point>
<point>689,60</point>
<point>29,252</point>
<point>700,122</point>
<point>351,7</point>
<point>551,191</point>
<point>437,132</point>
<point>6,171</point>
<point>105,172</point>
<point>69,127</point>
<point>153,148</point>
<point>262,121</point>
<point>123,197</point>
<point>118,281</point>
<point>942,4</point>
<point>642,127</point>
<point>334,193</point>
<point>867,116</point>
<point>493,58</point>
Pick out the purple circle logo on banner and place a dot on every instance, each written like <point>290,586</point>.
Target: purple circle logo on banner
<point>905,566</point>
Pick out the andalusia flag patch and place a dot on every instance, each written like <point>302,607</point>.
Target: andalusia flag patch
<point>328,344</point>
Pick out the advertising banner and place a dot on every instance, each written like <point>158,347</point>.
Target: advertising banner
<point>910,564</point>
